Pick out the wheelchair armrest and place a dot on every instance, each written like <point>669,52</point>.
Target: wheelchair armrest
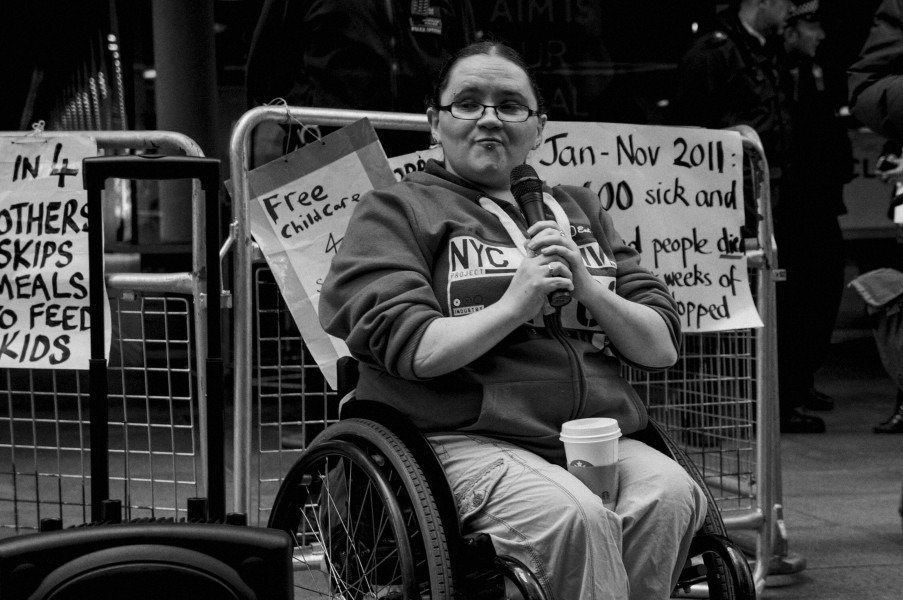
<point>654,435</point>
<point>347,375</point>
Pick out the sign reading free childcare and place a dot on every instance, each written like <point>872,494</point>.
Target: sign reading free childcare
<point>299,210</point>
<point>675,194</point>
<point>44,301</point>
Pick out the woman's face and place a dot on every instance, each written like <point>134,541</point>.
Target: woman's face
<point>485,150</point>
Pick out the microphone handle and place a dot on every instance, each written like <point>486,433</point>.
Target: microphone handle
<point>559,298</point>
<point>531,206</point>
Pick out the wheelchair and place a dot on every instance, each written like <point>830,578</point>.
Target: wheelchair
<point>373,516</point>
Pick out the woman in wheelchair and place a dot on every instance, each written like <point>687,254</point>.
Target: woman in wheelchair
<point>441,291</point>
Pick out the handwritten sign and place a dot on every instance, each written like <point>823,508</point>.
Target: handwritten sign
<point>44,302</point>
<point>674,193</point>
<point>300,207</point>
<point>415,161</point>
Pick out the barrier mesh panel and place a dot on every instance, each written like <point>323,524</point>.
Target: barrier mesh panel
<point>153,437</point>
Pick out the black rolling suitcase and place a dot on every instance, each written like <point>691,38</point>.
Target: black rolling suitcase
<point>208,556</point>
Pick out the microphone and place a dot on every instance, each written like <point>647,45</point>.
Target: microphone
<point>527,189</point>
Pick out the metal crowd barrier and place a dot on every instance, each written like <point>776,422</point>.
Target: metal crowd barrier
<point>289,388</point>
<point>157,387</point>
<point>719,401</point>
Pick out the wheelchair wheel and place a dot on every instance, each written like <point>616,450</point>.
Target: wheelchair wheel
<point>363,519</point>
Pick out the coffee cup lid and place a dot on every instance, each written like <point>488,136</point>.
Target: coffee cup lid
<point>591,427</point>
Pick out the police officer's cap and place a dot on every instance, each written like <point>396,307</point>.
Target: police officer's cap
<point>803,10</point>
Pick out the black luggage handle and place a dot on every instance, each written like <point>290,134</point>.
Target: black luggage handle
<point>95,171</point>
<point>150,167</point>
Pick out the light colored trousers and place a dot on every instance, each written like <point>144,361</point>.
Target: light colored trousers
<point>542,515</point>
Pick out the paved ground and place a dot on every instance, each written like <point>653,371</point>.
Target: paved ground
<point>841,489</point>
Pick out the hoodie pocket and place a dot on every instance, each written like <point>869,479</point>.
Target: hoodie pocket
<point>524,409</point>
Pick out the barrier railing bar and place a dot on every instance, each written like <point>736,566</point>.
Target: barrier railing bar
<point>768,451</point>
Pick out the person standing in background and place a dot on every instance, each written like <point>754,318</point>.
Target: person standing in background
<point>876,98</point>
<point>807,230</point>
<point>875,81</point>
<point>876,78</point>
<point>355,54</point>
<point>731,76</point>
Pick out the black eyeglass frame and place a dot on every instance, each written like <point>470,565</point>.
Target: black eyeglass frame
<point>530,111</point>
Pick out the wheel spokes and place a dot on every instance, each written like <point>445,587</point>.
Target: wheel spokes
<point>345,516</point>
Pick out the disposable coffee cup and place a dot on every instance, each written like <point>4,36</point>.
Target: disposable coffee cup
<point>591,450</point>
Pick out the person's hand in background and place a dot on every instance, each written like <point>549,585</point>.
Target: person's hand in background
<point>890,162</point>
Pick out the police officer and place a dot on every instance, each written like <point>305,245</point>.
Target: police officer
<point>810,242</point>
<point>733,75</point>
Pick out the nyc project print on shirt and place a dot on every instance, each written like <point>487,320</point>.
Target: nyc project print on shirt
<point>480,270</point>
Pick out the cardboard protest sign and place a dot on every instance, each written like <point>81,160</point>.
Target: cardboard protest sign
<point>675,194</point>
<point>300,207</point>
<point>44,301</point>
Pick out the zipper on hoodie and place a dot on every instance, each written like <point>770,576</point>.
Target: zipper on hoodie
<point>552,321</point>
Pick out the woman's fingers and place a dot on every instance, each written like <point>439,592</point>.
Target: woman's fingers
<point>540,226</point>
<point>559,269</point>
<point>894,173</point>
<point>550,252</point>
<point>546,234</point>
<point>535,279</point>
<point>559,277</point>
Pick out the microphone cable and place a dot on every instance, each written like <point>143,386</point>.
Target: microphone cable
<point>552,322</point>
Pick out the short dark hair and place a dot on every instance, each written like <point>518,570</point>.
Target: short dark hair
<point>489,48</point>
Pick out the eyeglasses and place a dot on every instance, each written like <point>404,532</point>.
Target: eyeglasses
<point>510,112</point>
